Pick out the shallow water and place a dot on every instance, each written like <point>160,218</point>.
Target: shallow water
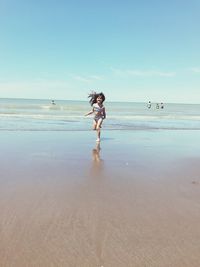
<point>66,115</point>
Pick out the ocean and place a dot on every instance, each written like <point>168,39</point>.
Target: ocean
<point>68,115</point>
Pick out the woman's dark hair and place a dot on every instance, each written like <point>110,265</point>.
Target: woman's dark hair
<point>93,97</point>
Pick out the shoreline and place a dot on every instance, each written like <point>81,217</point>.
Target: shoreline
<point>104,130</point>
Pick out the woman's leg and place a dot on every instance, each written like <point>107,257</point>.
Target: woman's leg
<point>99,123</point>
<point>98,134</point>
<point>94,126</point>
<point>98,128</point>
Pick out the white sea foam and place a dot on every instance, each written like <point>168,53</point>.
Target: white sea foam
<point>22,114</point>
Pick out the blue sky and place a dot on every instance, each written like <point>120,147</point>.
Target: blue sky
<point>131,50</point>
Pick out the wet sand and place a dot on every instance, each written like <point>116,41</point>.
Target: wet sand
<point>132,201</point>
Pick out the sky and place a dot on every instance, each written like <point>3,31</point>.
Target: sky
<point>132,50</point>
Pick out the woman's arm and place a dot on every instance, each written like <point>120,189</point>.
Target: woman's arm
<point>89,112</point>
<point>104,113</point>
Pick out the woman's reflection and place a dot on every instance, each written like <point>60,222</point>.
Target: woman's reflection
<point>96,159</point>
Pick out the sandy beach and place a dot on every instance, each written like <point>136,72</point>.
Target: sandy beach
<point>133,201</point>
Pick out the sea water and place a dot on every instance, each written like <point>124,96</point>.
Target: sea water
<point>68,115</point>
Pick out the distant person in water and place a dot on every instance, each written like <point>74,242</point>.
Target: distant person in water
<point>53,102</point>
<point>157,106</point>
<point>98,109</point>
<point>161,105</point>
<point>149,104</point>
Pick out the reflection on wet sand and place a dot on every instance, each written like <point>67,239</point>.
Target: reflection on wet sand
<point>97,162</point>
<point>59,210</point>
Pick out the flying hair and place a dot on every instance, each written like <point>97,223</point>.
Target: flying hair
<point>93,97</point>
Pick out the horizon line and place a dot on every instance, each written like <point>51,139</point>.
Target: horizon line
<point>115,101</point>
